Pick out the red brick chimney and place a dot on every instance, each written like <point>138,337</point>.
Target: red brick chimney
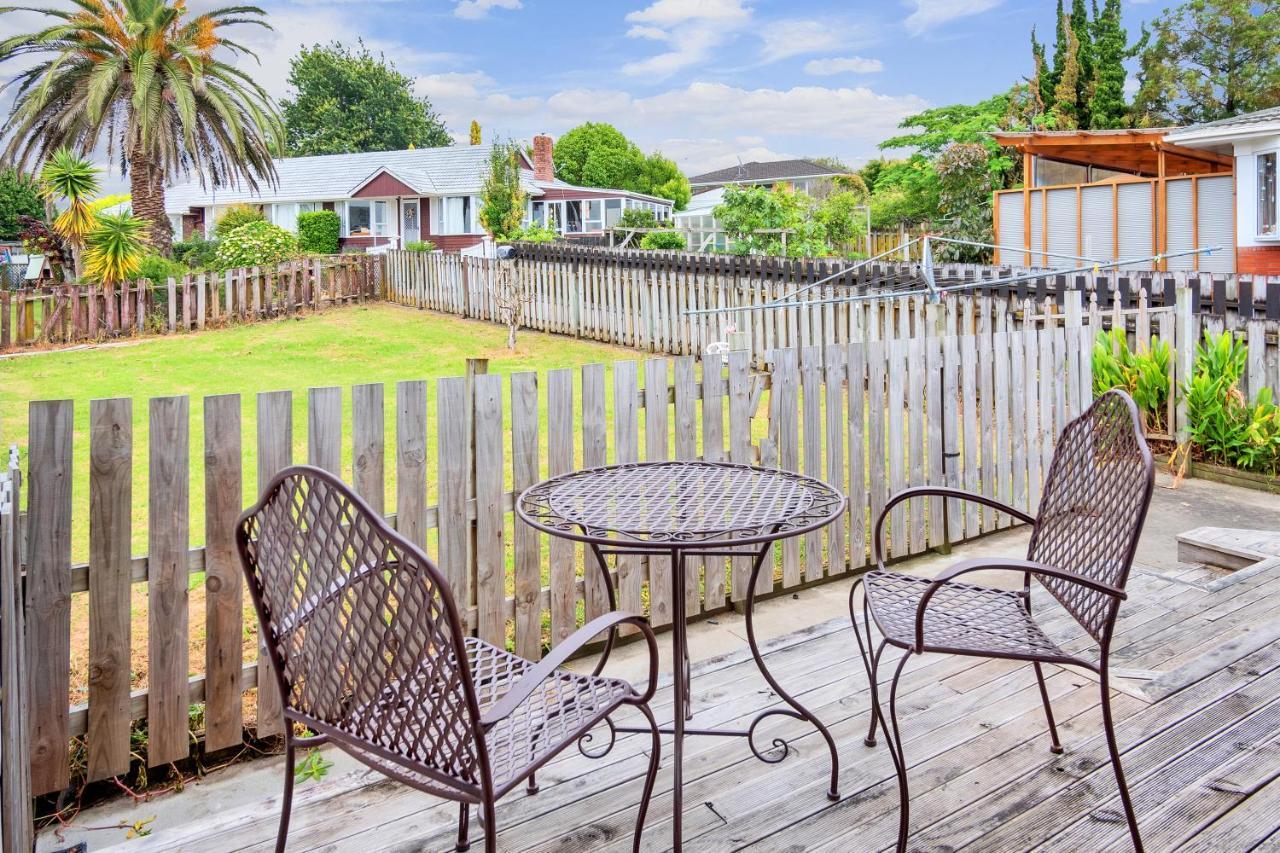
<point>544,168</point>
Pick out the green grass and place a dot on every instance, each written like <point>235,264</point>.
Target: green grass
<point>377,343</point>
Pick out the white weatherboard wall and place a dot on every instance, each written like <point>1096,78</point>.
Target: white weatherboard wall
<point>1246,152</point>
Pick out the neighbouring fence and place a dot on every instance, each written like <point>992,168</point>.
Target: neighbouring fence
<point>70,313</point>
<point>976,411</point>
<point>15,759</point>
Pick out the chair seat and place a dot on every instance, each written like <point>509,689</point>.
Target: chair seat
<point>543,724</point>
<point>963,618</point>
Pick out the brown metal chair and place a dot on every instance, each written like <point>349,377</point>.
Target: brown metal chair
<point>1091,514</point>
<point>369,654</point>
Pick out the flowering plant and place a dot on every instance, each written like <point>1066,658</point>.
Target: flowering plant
<point>256,244</point>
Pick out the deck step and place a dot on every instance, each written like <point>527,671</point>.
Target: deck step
<point>1227,547</point>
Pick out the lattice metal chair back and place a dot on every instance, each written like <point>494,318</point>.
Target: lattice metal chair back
<point>1084,536</point>
<point>369,652</point>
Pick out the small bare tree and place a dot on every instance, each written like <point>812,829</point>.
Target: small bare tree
<point>511,295</point>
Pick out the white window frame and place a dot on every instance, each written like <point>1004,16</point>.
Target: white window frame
<point>1274,234</point>
<point>470,216</point>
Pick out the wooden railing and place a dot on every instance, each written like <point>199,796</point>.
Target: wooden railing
<point>69,313</point>
<point>980,411</point>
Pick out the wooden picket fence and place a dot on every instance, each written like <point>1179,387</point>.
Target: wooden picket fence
<point>70,313</point>
<point>978,411</point>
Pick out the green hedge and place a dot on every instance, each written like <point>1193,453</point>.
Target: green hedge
<point>318,232</point>
<point>664,240</point>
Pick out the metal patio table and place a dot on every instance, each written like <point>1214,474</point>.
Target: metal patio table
<point>681,510</point>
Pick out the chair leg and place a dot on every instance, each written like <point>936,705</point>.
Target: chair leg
<point>1108,726</point>
<point>531,785</point>
<point>864,651</point>
<point>1055,745</point>
<point>286,803</point>
<point>490,828</point>
<point>870,739</point>
<point>464,828</point>
<point>655,759</point>
<point>900,758</point>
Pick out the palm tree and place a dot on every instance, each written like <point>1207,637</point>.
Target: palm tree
<point>140,78</point>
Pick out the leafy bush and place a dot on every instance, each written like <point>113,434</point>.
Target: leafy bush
<point>197,253</point>
<point>318,232</point>
<point>667,240</point>
<point>237,215</point>
<point>257,244</point>
<point>1225,425</point>
<point>634,217</point>
<point>19,197</point>
<point>538,234</point>
<point>1144,375</point>
<point>420,246</point>
<point>158,269</point>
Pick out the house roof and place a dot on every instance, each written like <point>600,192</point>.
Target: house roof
<point>1260,122</point>
<point>772,170</point>
<point>453,170</point>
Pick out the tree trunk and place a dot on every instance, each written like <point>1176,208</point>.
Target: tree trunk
<point>146,185</point>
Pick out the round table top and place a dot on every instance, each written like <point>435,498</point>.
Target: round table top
<point>660,505</point>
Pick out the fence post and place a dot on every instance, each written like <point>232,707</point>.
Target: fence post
<point>1184,348</point>
<point>16,832</point>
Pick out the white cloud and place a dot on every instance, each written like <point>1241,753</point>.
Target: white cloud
<point>475,9</point>
<point>932,13</point>
<point>787,38</point>
<point>452,85</point>
<point>842,65</point>
<point>692,29</point>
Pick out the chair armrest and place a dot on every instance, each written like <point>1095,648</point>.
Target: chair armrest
<point>940,492</point>
<point>531,680</point>
<point>1027,567</point>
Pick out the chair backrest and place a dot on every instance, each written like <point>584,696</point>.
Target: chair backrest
<point>1093,506</point>
<point>352,613</point>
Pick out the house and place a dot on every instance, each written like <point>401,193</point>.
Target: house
<point>1146,196</point>
<point>802,175</point>
<point>390,198</point>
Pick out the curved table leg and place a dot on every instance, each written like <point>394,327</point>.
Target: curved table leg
<point>800,712</point>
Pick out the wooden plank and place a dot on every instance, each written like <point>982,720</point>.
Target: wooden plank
<point>453,447</point>
<point>1018,419</point>
<point>877,452</point>
<point>368,444</point>
<point>1002,390</point>
<point>168,540</point>
<point>224,577</point>
<point>526,541</point>
<point>411,460</point>
<point>110,609</point>
<point>16,813</point>
<point>784,405</point>
<point>48,604</point>
<point>971,440</point>
<point>324,429</point>
<point>275,452</point>
<point>626,443</point>
<point>951,436</point>
<point>713,450</point>
<point>491,563</point>
<point>836,424</point>
<point>1031,411</point>
<point>811,388</point>
<point>740,451</point>
<point>986,404</point>
<point>686,447</point>
<point>563,553</point>
<point>896,444</point>
<point>656,426</point>
<point>856,357</point>
<point>594,454</point>
<point>935,535</point>
<point>916,386</point>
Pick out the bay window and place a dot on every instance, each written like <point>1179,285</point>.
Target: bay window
<point>1267,194</point>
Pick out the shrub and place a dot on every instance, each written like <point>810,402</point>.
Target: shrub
<point>668,240</point>
<point>1144,375</point>
<point>538,234</point>
<point>197,253</point>
<point>420,246</point>
<point>318,232</point>
<point>158,269</point>
<point>114,248</point>
<point>634,217</point>
<point>237,215</point>
<point>257,244</point>
<point>1222,423</point>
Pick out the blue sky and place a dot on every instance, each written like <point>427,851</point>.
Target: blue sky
<point>705,81</point>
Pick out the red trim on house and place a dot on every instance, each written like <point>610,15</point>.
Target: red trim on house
<point>1258,260</point>
<point>383,185</point>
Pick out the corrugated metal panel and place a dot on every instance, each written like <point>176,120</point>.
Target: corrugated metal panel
<point>1216,203</point>
<point>1135,223</point>
<point>1037,228</point>
<point>1011,230</point>
<point>1063,226</point>
<point>1180,228</point>
<point>1098,223</point>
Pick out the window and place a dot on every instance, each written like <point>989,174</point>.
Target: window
<point>573,217</point>
<point>595,215</point>
<point>366,219</point>
<point>285,214</point>
<point>456,215</point>
<point>612,212</point>
<point>1267,194</point>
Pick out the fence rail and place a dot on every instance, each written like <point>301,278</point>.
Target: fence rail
<point>869,417</point>
<point>70,313</point>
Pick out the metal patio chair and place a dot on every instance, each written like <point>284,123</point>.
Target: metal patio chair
<point>369,654</point>
<point>1083,538</point>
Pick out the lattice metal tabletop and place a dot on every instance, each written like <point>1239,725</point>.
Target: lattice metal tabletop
<point>695,505</point>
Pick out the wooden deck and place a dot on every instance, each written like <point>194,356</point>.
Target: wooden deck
<point>1198,718</point>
